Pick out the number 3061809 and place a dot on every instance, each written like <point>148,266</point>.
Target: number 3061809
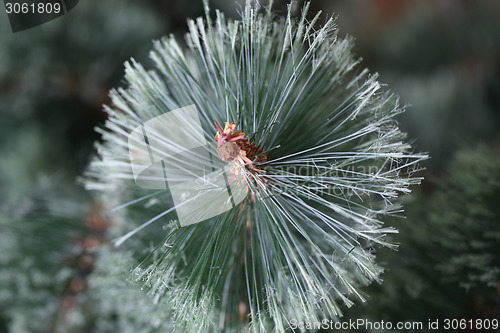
<point>33,8</point>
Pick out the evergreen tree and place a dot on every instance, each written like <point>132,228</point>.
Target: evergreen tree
<point>306,246</point>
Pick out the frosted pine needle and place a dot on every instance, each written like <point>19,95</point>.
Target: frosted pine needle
<point>312,140</point>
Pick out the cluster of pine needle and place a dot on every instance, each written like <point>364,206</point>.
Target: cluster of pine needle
<point>301,243</point>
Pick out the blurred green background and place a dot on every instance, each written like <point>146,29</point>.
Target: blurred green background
<point>441,56</point>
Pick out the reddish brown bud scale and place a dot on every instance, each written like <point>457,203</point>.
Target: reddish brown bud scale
<point>232,146</point>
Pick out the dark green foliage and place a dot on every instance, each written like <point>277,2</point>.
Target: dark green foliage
<point>468,209</point>
<point>37,241</point>
<point>448,261</point>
